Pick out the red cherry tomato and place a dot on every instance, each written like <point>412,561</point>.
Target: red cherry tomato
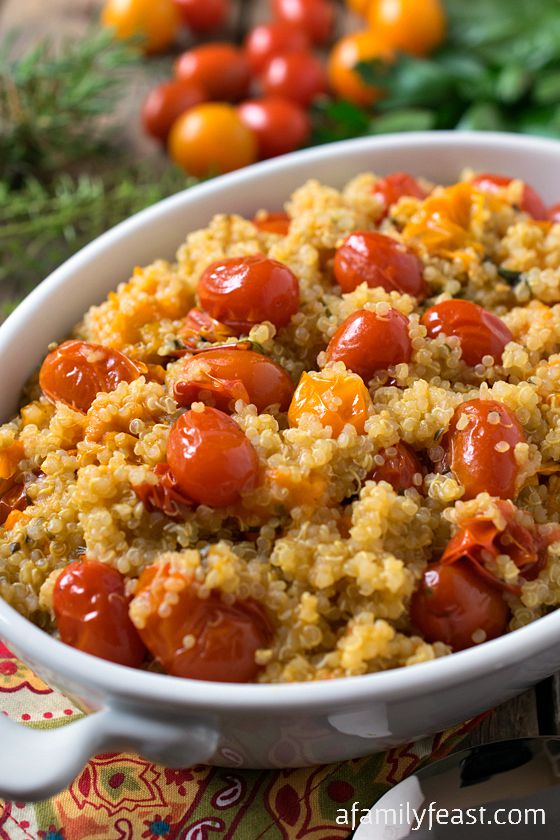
<point>395,186</point>
<point>367,342</point>
<point>15,498</point>
<point>273,223</point>
<point>219,68</point>
<point>211,460</point>
<point>166,102</point>
<point>315,17</point>
<point>242,291</point>
<point>453,602</point>
<point>280,126</point>
<point>300,77</point>
<point>554,213</point>
<point>199,329</point>
<point>531,202</point>
<point>401,467</point>
<point>91,612</point>
<point>477,435</point>
<point>76,372</point>
<point>378,260</point>
<point>220,377</point>
<point>202,16</point>
<point>481,332</point>
<point>164,494</point>
<point>225,637</point>
<point>271,39</point>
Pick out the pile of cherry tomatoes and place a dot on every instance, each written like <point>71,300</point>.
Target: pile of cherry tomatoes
<point>228,106</point>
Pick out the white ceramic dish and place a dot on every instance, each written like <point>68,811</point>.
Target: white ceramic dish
<point>183,722</point>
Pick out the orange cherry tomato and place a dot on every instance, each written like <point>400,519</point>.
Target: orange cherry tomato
<point>359,7</point>
<point>155,22</point>
<point>395,186</point>
<point>344,79</point>
<point>211,139</point>
<point>299,76</point>
<point>280,125</point>
<point>531,202</point>
<point>481,332</point>
<point>553,214</point>
<point>15,498</point>
<point>378,260</point>
<point>242,291</point>
<point>211,459</point>
<point>10,457</point>
<point>478,432</point>
<point>367,342</point>
<point>271,39</point>
<point>315,17</point>
<point>166,102</point>
<point>401,467</point>
<point>219,68</point>
<point>91,612</point>
<point>76,372</point>
<point>202,16</point>
<point>407,25</point>
<point>273,223</point>
<point>224,638</point>
<point>336,401</point>
<point>453,602</point>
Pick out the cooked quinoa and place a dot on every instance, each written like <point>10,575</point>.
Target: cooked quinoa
<point>333,555</point>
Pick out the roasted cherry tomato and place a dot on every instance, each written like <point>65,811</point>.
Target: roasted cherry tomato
<point>408,26</point>
<point>76,372</point>
<point>163,494</point>
<point>368,342</point>
<point>378,260</point>
<point>481,332</point>
<point>336,401</point>
<point>315,17</point>
<point>280,125</point>
<point>219,68</point>
<point>400,468</point>
<point>242,291</point>
<point>220,377</point>
<point>300,77</point>
<point>199,329</point>
<point>210,457</point>
<point>91,612</point>
<point>211,139</point>
<point>455,605</point>
<point>13,499</point>
<point>531,202</point>
<point>222,638</point>
<point>155,22</point>
<point>271,39</point>
<point>165,104</point>
<point>480,444</point>
<point>202,16</point>
<point>395,186</point>
<point>10,457</point>
<point>344,79</point>
<point>273,223</point>
<point>553,214</point>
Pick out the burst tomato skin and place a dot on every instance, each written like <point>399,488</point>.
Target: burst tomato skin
<point>367,342</point>
<point>481,332</point>
<point>273,223</point>
<point>91,611</point>
<point>379,261</point>
<point>155,21</point>
<point>399,469</point>
<point>531,202</point>
<point>472,453</point>
<point>231,375</point>
<point>268,40</point>
<point>280,125</point>
<point>243,291</point>
<point>395,186</point>
<point>315,17</point>
<point>299,77</point>
<point>202,16</point>
<point>314,395</point>
<point>211,459</point>
<point>453,602</point>
<point>165,104</point>
<point>77,371</point>
<point>14,498</point>
<point>220,68</point>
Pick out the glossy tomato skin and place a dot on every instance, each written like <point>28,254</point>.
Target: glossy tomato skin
<point>471,446</point>
<point>219,68</point>
<point>202,16</point>
<point>316,393</point>
<point>271,39</point>
<point>91,612</point>
<point>212,460</point>
<point>407,25</point>
<point>280,125</point>
<point>232,374</point>
<point>315,17</point>
<point>368,342</point>
<point>481,332</point>
<point>211,139</point>
<point>379,261</point>
<point>344,79</point>
<point>453,602</point>
<point>273,223</point>
<point>395,186</point>
<point>401,467</point>
<point>531,202</point>
<point>225,637</point>
<point>242,291</point>
<point>77,371</point>
<point>155,22</point>
<point>14,498</point>
<point>165,104</point>
<point>299,76</point>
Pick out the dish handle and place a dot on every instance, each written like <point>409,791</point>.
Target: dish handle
<point>40,763</point>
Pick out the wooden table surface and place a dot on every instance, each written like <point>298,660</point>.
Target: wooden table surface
<point>535,712</point>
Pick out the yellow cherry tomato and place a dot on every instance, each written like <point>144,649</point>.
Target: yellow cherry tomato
<point>156,22</point>
<point>334,399</point>
<point>359,7</point>
<point>211,139</point>
<point>408,25</point>
<point>344,78</point>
